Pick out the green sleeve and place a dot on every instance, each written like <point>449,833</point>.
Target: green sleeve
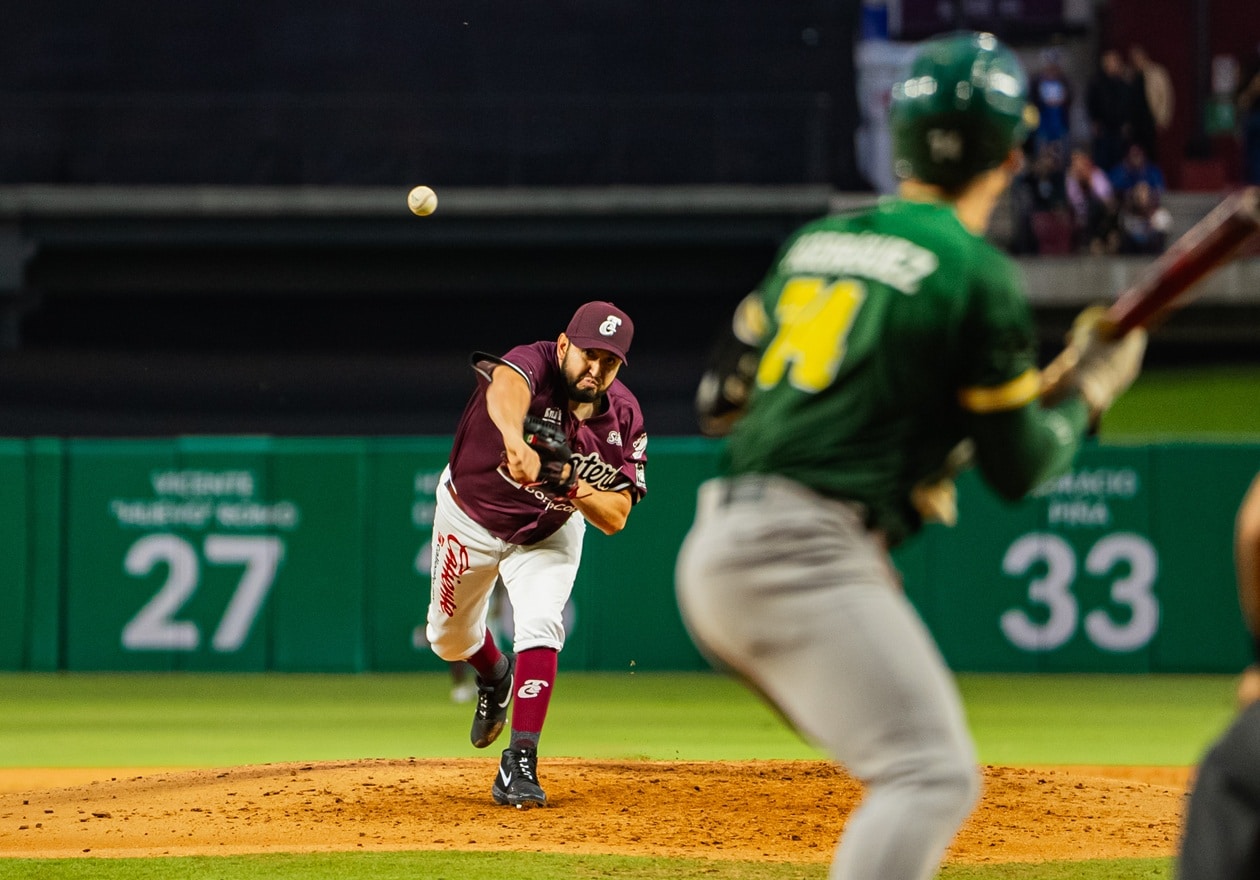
<point>1019,449</point>
<point>998,342</point>
<point>1019,443</point>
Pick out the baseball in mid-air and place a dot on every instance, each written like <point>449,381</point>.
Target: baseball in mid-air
<point>422,201</point>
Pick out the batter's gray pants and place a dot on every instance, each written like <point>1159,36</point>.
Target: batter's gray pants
<point>794,594</point>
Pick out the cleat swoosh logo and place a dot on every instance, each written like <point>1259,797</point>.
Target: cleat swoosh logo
<point>504,704</point>
<point>506,777</point>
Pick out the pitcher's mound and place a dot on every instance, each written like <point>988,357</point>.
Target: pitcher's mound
<point>781,810</point>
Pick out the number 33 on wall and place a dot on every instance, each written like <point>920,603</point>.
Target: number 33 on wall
<point>1053,590</point>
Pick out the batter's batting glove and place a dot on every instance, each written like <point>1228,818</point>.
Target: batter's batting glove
<point>1101,367</point>
<point>936,502</point>
<point>936,496</point>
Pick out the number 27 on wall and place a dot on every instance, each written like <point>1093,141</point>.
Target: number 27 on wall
<point>1053,590</point>
<point>155,627</point>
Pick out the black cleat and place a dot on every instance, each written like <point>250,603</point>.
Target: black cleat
<point>493,700</point>
<point>517,782</point>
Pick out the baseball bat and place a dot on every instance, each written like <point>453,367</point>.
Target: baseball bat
<point>1170,282</point>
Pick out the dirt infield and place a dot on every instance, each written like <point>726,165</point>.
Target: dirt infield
<point>781,810</point>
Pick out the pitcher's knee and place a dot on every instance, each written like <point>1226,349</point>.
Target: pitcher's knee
<point>540,632</point>
<point>454,644</point>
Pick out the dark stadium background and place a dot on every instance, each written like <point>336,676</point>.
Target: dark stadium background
<point>202,206</point>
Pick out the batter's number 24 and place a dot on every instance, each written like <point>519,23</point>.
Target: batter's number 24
<point>1130,554</point>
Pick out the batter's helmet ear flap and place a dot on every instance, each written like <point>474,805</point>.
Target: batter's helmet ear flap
<point>959,109</point>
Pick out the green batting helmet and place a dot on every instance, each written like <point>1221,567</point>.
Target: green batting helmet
<point>960,109</point>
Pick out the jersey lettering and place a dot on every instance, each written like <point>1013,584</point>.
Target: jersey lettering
<point>595,471</point>
<point>454,564</point>
<point>890,259</point>
<point>814,319</point>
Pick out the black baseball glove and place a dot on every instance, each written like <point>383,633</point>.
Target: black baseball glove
<point>556,475</point>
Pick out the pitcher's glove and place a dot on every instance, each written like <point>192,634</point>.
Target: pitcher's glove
<point>556,475</point>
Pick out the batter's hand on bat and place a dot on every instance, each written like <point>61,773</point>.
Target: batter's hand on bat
<point>1095,362</point>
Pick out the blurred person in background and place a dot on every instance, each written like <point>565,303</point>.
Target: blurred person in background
<point>1111,103</point>
<point>462,688</point>
<point>1221,836</point>
<point>1149,80</point>
<point>1248,106</point>
<point>1052,95</point>
<point>1136,168</point>
<point>1157,88</point>
<point>1143,222</point>
<point>1093,204</point>
<point>1040,197</point>
<point>879,344</point>
<point>499,622</point>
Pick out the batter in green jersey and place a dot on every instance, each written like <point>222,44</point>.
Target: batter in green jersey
<point>885,331</point>
<point>883,348</point>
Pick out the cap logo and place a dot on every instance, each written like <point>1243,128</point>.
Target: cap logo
<point>610,325</point>
<point>945,145</point>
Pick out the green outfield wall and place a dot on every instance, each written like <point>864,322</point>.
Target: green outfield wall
<point>257,553</point>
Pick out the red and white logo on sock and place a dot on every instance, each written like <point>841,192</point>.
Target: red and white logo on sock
<point>531,688</point>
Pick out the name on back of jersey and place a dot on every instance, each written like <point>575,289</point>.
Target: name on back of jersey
<point>894,261</point>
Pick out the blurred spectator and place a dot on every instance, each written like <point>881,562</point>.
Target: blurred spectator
<point>1093,204</point>
<point>1249,127</point>
<point>1052,95</point>
<point>1158,90</point>
<point>1112,105</point>
<point>1040,195</point>
<point>462,688</point>
<point>1143,221</point>
<point>1136,168</point>
<point>1154,106</point>
<point>499,622</point>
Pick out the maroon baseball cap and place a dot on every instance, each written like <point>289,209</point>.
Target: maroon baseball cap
<point>601,325</point>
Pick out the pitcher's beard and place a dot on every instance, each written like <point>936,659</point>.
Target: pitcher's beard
<point>584,395</point>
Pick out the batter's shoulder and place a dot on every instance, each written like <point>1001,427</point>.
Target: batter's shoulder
<point>996,266</point>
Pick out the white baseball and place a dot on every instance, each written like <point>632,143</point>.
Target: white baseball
<point>422,201</point>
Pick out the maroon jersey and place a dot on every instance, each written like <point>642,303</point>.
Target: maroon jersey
<point>609,449</point>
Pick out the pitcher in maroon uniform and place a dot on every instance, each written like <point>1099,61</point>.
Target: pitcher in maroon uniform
<point>491,522</point>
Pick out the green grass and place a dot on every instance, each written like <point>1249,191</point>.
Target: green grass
<point>1204,403</point>
<point>187,720</point>
<point>191,720</point>
<point>1116,869</point>
<point>461,866</point>
<point>1136,720</point>
<point>407,866</point>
